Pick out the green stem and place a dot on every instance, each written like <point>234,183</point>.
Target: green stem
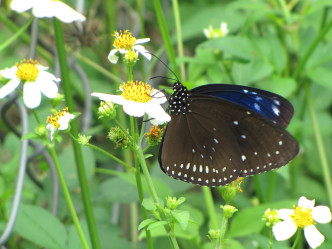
<point>141,197</point>
<point>176,12</point>
<point>298,236</point>
<point>311,50</point>
<point>271,238</point>
<point>67,197</point>
<point>128,167</point>
<point>18,33</point>
<point>223,228</point>
<point>74,129</point>
<point>285,10</point>
<point>210,207</point>
<point>165,34</point>
<point>321,148</point>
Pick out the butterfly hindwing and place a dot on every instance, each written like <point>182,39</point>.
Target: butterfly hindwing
<point>218,141</point>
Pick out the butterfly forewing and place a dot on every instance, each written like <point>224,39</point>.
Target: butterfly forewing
<point>218,141</point>
<point>267,104</point>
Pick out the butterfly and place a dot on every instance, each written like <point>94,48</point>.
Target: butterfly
<point>219,132</point>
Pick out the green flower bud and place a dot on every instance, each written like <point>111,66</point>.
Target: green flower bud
<point>214,234</point>
<point>228,210</point>
<point>106,110</point>
<point>82,139</point>
<point>120,139</point>
<point>229,191</point>
<point>271,217</point>
<point>172,203</point>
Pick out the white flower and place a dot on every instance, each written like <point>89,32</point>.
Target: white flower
<point>210,32</point>
<point>48,8</point>
<point>60,121</point>
<point>35,80</point>
<point>303,216</point>
<point>138,98</point>
<point>124,43</point>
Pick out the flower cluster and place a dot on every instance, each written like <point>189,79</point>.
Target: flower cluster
<point>35,81</point>
<point>60,121</point>
<point>210,32</point>
<point>128,45</point>
<point>137,99</point>
<point>304,216</point>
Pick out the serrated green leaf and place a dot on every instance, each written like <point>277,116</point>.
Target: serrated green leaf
<point>146,223</point>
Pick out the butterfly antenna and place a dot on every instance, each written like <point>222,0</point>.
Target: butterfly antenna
<point>177,78</point>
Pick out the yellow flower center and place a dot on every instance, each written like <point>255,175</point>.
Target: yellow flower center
<point>124,40</point>
<point>137,91</point>
<point>27,70</point>
<point>53,120</point>
<point>302,217</point>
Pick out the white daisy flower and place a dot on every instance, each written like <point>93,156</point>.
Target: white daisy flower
<point>35,80</point>
<point>49,9</point>
<point>304,216</point>
<point>125,43</point>
<point>210,32</point>
<point>60,121</point>
<point>138,98</point>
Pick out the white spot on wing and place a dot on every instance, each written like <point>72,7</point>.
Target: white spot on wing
<point>243,157</point>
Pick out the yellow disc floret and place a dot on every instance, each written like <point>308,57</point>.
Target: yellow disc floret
<point>27,70</point>
<point>137,91</point>
<point>53,120</point>
<point>124,40</point>
<point>302,217</point>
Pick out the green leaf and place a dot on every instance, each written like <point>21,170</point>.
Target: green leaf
<point>146,223</point>
<point>40,227</point>
<point>157,224</point>
<point>249,221</point>
<point>148,204</point>
<point>321,76</point>
<point>182,217</point>
<point>283,86</point>
<point>29,135</point>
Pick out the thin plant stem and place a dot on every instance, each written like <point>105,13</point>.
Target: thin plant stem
<point>128,167</point>
<point>74,130</point>
<point>311,49</point>
<point>298,236</point>
<point>66,193</point>
<point>141,197</point>
<point>176,12</point>
<point>165,34</point>
<point>223,228</point>
<point>18,33</point>
<point>285,10</point>
<point>210,207</point>
<point>271,238</point>
<point>321,148</point>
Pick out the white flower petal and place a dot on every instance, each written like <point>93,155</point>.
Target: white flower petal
<point>9,87</point>
<point>141,41</point>
<point>321,214</point>
<point>31,94</point>
<point>46,85</point>
<point>47,75</point>
<point>158,97</point>
<point>112,57</point>
<point>135,109</point>
<point>116,99</point>
<point>313,236</point>
<point>43,9</point>
<point>22,5</point>
<point>51,129</point>
<point>284,230</point>
<point>142,50</point>
<point>224,28</point>
<point>285,213</point>
<point>305,203</point>
<point>157,112</point>
<point>65,13</point>
<point>63,121</point>
<point>9,73</point>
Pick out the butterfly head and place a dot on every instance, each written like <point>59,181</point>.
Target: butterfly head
<point>179,101</point>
